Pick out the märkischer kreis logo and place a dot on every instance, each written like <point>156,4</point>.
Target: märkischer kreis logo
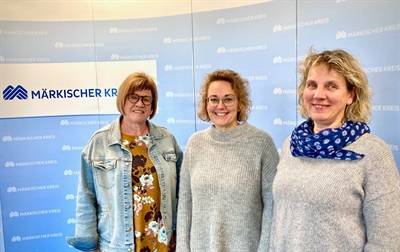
<point>10,93</point>
<point>21,93</point>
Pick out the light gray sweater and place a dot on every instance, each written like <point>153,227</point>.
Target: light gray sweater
<point>225,197</point>
<point>334,205</point>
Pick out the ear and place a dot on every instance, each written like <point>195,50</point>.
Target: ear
<point>352,96</point>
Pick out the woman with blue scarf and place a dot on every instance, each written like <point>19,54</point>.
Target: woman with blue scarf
<point>337,186</point>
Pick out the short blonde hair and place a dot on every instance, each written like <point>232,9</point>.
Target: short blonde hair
<point>239,85</point>
<point>137,81</point>
<point>346,65</point>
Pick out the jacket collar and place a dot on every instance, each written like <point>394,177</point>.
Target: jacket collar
<point>155,131</point>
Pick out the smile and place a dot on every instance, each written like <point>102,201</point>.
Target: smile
<point>320,106</point>
<point>138,111</point>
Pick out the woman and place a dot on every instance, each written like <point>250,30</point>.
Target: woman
<point>127,188</point>
<point>337,185</point>
<point>225,198</point>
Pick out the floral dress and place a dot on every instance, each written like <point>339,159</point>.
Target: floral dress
<point>150,234</point>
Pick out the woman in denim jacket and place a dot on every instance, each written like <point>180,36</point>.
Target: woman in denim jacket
<point>128,180</point>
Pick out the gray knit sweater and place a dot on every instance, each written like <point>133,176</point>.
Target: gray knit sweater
<point>225,197</point>
<point>334,205</point>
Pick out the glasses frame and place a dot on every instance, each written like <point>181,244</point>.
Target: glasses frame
<point>221,99</point>
<point>140,97</point>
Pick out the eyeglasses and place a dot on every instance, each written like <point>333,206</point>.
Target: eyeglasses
<point>228,100</point>
<point>146,100</point>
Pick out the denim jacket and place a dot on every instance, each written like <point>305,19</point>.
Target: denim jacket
<point>104,214</point>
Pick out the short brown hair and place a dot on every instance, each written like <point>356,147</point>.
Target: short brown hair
<point>137,81</point>
<point>346,65</point>
<point>239,85</point>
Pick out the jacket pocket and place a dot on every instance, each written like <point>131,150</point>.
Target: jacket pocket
<point>104,173</point>
<point>171,159</point>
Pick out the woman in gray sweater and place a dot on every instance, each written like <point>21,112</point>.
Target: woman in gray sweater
<point>225,198</point>
<point>337,185</point>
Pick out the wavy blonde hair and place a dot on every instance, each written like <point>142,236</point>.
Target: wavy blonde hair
<point>346,65</point>
<point>239,85</point>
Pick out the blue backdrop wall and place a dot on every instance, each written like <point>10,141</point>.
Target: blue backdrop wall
<point>62,62</point>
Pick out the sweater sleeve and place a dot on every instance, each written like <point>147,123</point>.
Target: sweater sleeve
<point>381,207</point>
<point>184,206</point>
<point>269,165</point>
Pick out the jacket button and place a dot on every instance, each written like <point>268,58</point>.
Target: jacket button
<point>129,250</point>
<point>126,185</point>
<point>127,206</point>
<point>128,229</point>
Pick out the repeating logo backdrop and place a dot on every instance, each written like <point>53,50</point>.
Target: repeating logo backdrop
<point>59,82</point>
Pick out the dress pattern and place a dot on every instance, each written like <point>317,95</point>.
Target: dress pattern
<point>150,234</point>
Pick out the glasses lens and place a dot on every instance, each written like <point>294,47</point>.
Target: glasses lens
<point>133,98</point>
<point>229,100</point>
<point>213,101</point>
<point>147,100</point>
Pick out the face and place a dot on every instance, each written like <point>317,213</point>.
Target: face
<point>137,113</point>
<point>325,97</point>
<point>223,117</point>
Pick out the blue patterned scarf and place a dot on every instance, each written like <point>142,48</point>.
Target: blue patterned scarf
<point>327,143</point>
